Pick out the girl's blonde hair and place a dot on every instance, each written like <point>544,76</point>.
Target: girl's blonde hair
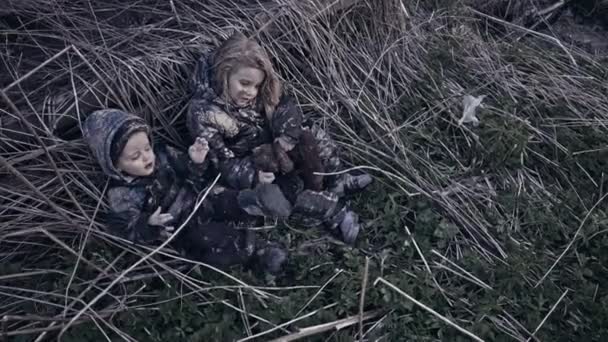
<point>238,51</point>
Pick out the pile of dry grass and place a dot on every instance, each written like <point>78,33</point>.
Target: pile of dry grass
<point>387,79</point>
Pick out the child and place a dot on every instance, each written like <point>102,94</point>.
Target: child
<point>153,190</point>
<point>238,108</point>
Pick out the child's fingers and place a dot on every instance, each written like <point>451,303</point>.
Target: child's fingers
<point>266,177</point>
<point>163,218</point>
<point>166,217</point>
<point>201,143</point>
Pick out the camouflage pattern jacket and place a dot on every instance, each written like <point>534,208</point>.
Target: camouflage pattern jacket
<point>173,186</point>
<point>234,132</point>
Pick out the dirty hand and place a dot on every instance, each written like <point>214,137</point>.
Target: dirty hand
<point>159,219</point>
<point>265,177</point>
<point>285,144</point>
<point>198,150</point>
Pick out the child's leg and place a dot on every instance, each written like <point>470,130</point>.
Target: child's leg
<point>218,244</point>
<point>323,207</point>
<point>222,245</point>
<point>265,200</point>
<point>328,152</point>
<point>226,207</point>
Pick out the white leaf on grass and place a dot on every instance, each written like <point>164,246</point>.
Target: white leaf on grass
<point>470,104</point>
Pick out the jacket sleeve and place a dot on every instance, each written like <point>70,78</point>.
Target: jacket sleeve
<point>212,124</point>
<point>239,173</point>
<point>184,166</point>
<point>205,119</point>
<point>286,120</point>
<point>127,217</point>
<point>328,149</point>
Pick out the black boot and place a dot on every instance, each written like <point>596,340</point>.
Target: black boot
<point>348,184</point>
<point>265,200</point>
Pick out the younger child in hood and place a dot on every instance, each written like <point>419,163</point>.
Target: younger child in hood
<point>153,189</point>
<point>239,108</point>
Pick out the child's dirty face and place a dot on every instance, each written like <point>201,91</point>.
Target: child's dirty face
<point>137,157</point>
<point>244,84</point>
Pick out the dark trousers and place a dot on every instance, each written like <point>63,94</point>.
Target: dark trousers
<point>211,236</point>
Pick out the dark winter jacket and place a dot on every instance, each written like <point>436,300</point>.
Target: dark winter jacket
<point>173,185</point>
<point>233,133</point>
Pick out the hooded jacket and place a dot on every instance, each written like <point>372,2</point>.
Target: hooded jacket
<point>172,186</point>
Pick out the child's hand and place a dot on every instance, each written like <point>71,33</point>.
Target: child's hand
<point>159,219</point>
<point>265,177</point>
<point>284,143</point>
<point>198,150</point>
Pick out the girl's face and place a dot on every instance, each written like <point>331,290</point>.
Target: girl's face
<point>244,84</point>
<point>137,158</point>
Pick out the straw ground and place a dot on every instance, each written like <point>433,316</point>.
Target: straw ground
<point>493,232</point>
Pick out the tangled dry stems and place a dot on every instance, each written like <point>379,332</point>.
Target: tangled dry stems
<point>385,77</point>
